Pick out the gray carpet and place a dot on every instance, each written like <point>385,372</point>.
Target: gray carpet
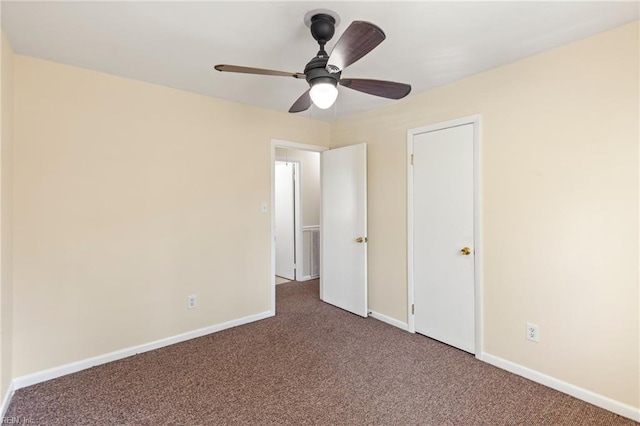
<point>311,364</point>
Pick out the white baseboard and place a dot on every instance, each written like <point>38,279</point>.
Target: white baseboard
<point>391,321</point>
<point>52,373</point>
<point>7,399</point>
<point>564,387</point>
<point>308,278</point>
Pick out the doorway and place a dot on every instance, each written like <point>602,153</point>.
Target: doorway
<point>444,246</point>
<point>296,210</point>
<point>342,182</point>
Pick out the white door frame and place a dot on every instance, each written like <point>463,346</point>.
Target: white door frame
<point>477,222</point>
<point>276,143</point>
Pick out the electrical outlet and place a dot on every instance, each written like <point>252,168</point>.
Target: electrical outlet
<point>191,301</point>
<point>533,332</point>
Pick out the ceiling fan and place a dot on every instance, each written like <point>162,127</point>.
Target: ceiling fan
<point>323,72</point>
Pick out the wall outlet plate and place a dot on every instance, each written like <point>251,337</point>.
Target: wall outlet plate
<point>533,332</point>
<point>191,301</point>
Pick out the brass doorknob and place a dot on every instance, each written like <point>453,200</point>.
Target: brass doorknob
<point>466,251</point>
<point>361,240</point>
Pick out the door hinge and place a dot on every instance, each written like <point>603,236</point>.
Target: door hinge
<point>412,159</point>
<point>413,309</point>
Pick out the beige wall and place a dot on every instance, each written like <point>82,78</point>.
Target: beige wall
<point>560,206</point>
<point>127,198</point>
<point>309,182</point>
<point>6,286</point>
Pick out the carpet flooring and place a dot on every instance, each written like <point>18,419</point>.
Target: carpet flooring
<point>311,364</point>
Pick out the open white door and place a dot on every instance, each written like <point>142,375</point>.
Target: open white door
<point>285,220</point>
<point>344,228</point>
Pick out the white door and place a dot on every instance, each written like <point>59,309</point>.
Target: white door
<point>443,236</point>
<point>344,228</point>
<point>285,220</point>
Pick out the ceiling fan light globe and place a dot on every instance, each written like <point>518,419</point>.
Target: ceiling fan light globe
<point>323,95</point>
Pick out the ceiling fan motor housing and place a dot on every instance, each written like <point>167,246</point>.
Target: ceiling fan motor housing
<point>316,72</point>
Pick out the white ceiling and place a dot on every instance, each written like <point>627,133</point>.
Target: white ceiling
<point>176,44</point>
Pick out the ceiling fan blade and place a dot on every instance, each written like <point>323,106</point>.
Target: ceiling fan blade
<point>357,40</point>
<point>261,71</point>
<point>385,89</point>
<point>302,104</point>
